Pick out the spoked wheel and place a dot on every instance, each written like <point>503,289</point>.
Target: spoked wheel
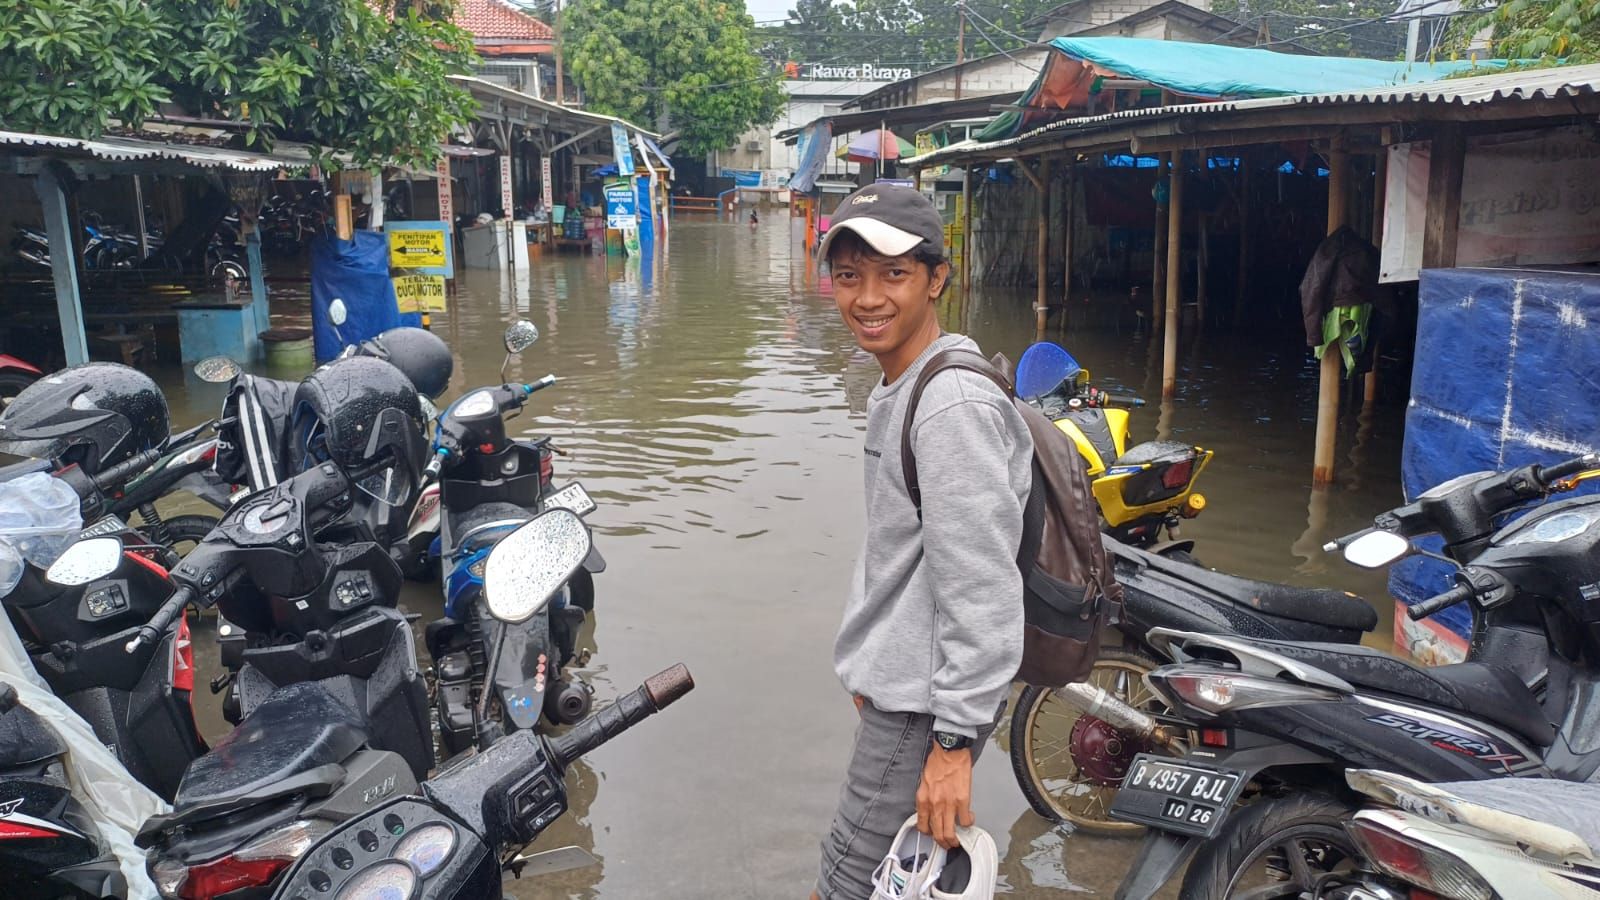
<point>1273,849</point>
<point>1070,765</point>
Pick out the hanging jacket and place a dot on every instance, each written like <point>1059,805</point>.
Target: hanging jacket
<point>1343,272</point>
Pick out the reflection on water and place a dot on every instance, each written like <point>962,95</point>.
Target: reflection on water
<point>713,404</point>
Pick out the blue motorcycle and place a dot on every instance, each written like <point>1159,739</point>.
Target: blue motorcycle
<point>493,678</point>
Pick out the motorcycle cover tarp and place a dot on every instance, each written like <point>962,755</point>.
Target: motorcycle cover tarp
<point>116,801</point>
<point>252,448</point>
<point>357,272</point>
<point>1502,357</point>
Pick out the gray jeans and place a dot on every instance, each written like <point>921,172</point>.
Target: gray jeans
<point>879,794</point>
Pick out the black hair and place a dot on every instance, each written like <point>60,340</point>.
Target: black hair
<point>847,241</point>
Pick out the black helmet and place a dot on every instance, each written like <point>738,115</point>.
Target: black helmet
<point>419,353</point>
<point>356,410</point>
<point>95,415</point>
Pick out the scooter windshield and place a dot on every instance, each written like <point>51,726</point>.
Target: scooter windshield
<point>1043,368</point>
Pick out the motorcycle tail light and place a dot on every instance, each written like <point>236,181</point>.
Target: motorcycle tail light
<point>254,864</point>
<point>1177,475</point>
<point>1222,692</point>
<point>1416,863</point>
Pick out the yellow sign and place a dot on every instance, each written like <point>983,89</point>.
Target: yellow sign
<point>416,249</point>
<point>419,293</point>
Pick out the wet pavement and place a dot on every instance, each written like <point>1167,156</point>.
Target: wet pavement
<point>714,409</point>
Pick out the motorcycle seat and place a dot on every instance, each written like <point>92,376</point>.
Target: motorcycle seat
<point>1491,693</point>
<point>297,729</point>
<point>1316,606</point>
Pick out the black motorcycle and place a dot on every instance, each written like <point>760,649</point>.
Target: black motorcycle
<point>488,486</point>
<point>50,847</point>
<point>330,701</point>
<point>1279,722</point>
<point>456,836</point>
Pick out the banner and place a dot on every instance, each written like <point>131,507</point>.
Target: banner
<point>624,153</point>
<point>622,207</point>
<point>447,203</point>
<point>506,200</point>
<point>549,191</point>
<point>419,293</point>
<point>813,155</point>
<point>421,248</point>
<point>744,178</point>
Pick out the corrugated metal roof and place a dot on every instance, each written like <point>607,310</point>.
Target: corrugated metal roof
<point>1538,84</point>
<point>489,87</point>
<point>125,148</point>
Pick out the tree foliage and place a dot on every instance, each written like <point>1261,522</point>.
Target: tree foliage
<point>1334,27</point>
<point>685,66</point>
<point>346,74</point>
<point>1547,31</point>
<point>919,33</point>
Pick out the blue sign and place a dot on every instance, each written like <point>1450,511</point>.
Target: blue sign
<point>622,207</point>
<point>744,178</point>
<point>624,153</point>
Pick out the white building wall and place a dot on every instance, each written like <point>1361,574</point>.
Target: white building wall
<point>1089,14</point>
<point>808,101</point>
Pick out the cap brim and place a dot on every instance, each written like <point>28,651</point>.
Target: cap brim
<point>884,238</point>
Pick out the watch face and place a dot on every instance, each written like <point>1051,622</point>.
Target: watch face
<point>948,741</point>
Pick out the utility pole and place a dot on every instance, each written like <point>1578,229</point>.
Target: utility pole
<point>561,75</point>
<point>961,44</point>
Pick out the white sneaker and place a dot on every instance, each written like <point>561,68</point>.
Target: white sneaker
<point>968,873</point>
<point>913,863</point>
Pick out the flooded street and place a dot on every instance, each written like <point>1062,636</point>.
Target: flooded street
<point>714,409</point>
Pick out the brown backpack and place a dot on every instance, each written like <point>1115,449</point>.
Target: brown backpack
<point>1069,588</point>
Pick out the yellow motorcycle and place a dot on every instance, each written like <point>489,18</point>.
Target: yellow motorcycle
<point>1144,491</point>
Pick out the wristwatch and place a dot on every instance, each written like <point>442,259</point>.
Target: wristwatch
<point>951,742</point>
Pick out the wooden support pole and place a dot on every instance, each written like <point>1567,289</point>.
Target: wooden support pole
<point>1158,287</point>
<point>966,230</point>
<point>64,265</point>
<point>1332,359</point>
<point>1169,357</point>
<point>1041,183</point>
<point>1068,211</point>
<point>1441,223</point>
<point>1246,206</point>
<point>1380,193</point>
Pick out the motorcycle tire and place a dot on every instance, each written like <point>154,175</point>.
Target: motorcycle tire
<point>1297,838</point>
<point>183,532</point>
<point>1076,796</point>
<point>11,384</point>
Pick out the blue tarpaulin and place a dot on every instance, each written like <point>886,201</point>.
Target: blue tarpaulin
<point>1505,363</point>
<point>1211,70</point>
<point>357,272</point>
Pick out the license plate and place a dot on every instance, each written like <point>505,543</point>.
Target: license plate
<point>108,525</point>
<point>1180,797</point>
<point>572,497</point>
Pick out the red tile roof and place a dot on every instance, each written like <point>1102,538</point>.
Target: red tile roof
<point>496,20</point>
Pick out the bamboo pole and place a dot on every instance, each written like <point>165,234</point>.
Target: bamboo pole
<point>1158,287</point>
<point>966,231</point>
<point>1068,207</point>
<point>1328,384</point>
<point>1041,183</point>
<point>1169,357</point>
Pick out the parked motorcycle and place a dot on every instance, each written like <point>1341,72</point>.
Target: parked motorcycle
<point>456,836</point>
<point>1071,747</point>
<point>331,703</point>
<point>1283,720</point>
<point>488,486</point>
<point>15,375</point>
<point>1143,490</point>
<point>1471,840</point>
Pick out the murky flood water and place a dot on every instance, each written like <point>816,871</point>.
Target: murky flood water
<point>714,408</point>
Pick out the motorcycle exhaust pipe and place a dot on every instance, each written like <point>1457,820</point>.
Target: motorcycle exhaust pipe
<point>1103,705</point>
<point>567,702</point>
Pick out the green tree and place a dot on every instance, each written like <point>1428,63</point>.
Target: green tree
<point>1334,27</point>
<point>685,66</point>
<point>367,79</point>
<point>1548,31</point>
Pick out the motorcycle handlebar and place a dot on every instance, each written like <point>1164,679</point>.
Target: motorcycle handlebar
<point>115,476</point>
<point>1561,471</point>
<point>1123,400</point>
<point>657,693</point>
<point>151,631</point>
<point>1457,594</point>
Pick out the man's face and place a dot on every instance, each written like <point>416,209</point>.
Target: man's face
<point>886,301</point>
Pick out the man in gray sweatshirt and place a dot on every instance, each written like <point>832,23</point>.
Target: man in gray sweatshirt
<point>932,631</point>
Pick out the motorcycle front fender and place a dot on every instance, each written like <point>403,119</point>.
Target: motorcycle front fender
<point>594,563</point>
<point>517,678</point>
<point>1160,858</point>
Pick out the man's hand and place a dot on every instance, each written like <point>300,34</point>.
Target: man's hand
<point>860,701</point>
<point>944,799</point>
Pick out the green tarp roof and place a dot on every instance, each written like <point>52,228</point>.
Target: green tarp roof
<point>1212,70</point>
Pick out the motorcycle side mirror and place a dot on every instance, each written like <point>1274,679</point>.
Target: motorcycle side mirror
<point>519,337</point>
<point>85,561</point>
<point>1376,549</point>
<point>530,564</point>
<point>217,369</point>
<point>337,314</point>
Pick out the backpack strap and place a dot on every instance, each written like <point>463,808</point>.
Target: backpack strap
<point>944,359</point>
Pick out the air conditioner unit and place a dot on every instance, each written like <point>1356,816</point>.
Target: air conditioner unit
<point>752,146</point>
